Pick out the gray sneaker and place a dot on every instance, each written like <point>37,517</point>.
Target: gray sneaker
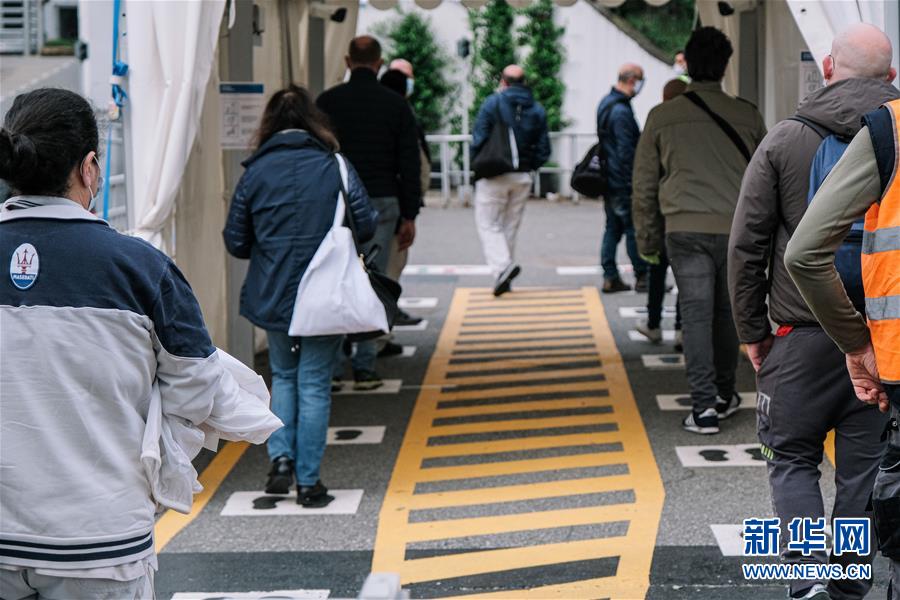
<point>364,381</point>
<point>726,408</point>
<point>654,336</point>
<point>816,592</point>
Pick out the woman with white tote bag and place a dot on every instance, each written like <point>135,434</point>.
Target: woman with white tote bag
<point>283,208</point>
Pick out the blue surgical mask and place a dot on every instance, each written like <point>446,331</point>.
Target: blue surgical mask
<point>410,86</point>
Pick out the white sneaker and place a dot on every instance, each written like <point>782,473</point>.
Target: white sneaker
<point>654,336</point>
<point>705,423</point>
<point>727,407</point>
<point>816,592</point>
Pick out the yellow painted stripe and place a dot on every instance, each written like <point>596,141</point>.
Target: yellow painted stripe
<point>829,447</point>
<point>520,331</point>
<point>171,523</point>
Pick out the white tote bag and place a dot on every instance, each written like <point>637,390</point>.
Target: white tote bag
<point>335,296</point>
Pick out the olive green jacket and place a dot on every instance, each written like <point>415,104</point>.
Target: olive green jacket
<point>687,172</point>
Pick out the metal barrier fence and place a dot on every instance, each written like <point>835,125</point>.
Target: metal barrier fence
<point>118,191</point>
<point>568,150</point>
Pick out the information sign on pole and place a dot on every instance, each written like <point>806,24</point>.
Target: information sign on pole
<point>242,108</point>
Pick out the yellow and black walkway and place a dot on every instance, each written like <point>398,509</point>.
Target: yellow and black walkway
<point>525,426</point>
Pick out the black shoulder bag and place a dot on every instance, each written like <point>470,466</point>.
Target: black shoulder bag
<point>499,154</point>
<point>590,177</point>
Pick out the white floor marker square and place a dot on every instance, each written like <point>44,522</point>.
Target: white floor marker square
<point>683,401</point>
<point>741,455</point>
<point>279,594</point>
<point>408,351</point>
<point>579,270</point>
<point>640,312</point>
<point>391,386</point>
<point>260,504</point>
<point>338,436</point>
<point>414,303</point>
<point>668,335</point>
<point>420,326</point>
<point>447,270</point>
<point>663,361</point>
<point>730,538</point>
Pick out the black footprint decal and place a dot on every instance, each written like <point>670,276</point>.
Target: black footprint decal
<point>714,455</point>
<point>684,401</point>
<point>266,502</point>
<point>755,453</point>
<point>347,434</point>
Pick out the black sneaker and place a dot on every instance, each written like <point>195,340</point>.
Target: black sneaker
<point>612,286</point>
<point>678,346</point>
<point>281,476</point>
<point>504,282</point>
<point>704,423</point>
<point>313,496</point>
<point>364,381</point>
<point>390,349</point>
<point>641,284</point>
<point>726,408</point>
<point>404,319</point>
<point>336,385</point>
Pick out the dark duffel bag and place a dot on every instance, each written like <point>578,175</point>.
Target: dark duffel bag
<point>499,154</point>
<point>590,177</point>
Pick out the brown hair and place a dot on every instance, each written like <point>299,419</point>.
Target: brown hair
<point>293,108</point>
<point>673,88</point>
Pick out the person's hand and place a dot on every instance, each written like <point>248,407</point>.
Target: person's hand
<point>652,259</point>
<point>758,351</point>
<point>864,377</point>
<point>406,234</point>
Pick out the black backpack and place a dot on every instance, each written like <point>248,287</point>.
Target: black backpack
<point>500,153</point>
<point>591,176</point>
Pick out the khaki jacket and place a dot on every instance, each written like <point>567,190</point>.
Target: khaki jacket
<point>687,172</point>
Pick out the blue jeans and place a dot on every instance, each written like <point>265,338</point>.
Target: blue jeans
<point>301,398</point>
<point>388,216</point>
<point>618,223</point>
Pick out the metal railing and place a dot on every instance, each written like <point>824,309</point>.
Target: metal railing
<point>568,150</point>
<point>118,191</point>
<point>20,27</point>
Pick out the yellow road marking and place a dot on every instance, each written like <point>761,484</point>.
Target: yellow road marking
<point>829,447</point>
<point>479,326</point>
<point>171,523</point>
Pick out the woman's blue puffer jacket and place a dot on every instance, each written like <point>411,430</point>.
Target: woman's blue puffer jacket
<point>281,210</point>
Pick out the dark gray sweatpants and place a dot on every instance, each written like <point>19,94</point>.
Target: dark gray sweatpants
<point>804,391</point>
<point>699,261</point>
<point>886,496</point>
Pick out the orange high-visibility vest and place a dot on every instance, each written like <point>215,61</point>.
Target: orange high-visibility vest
<point>881,268</point>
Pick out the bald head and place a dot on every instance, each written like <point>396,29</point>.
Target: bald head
<point>630,71</point>
<point>861,50</point>
<point>512,75</point>
<point>364,51</point>
<point>402,65</point>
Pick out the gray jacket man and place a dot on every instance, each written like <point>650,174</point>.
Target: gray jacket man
<point>803,386</point>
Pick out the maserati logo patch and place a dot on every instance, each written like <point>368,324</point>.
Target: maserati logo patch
<point>24,266</point>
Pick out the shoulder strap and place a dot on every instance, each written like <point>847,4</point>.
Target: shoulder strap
<point>821,131</point>
<point>722,123</point>
<point>351,224</point>
<point>608,113</point>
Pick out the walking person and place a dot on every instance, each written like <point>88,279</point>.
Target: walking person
<point>283,206</point>
<point>803,385</point>
<point>377,133</point>
<point>687,177</point>
<point>659,269</point>
<point>500,200</point>
<point>863,184</point>
<point>619,132</point>
<point>107,371</point>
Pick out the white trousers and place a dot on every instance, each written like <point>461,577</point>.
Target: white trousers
<point>499,205</point>
<point>28,584</point>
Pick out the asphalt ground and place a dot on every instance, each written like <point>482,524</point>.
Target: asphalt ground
<point>215,555</point>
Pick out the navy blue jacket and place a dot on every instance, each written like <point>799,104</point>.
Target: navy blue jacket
<point>619,132</point>
<point>282,208</point>
<point>529,123</point>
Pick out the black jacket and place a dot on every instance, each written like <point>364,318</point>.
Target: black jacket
<point>619,133</point>
<point>516,106</point>
<point>377,132</point>
<point>283,206</point>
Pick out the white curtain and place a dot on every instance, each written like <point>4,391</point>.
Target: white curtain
<point>171,51</point>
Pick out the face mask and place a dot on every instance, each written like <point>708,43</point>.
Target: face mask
<point>93,203</point>
<point>410,86</point>
<point>679,70</point>
<point>638,86</point>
